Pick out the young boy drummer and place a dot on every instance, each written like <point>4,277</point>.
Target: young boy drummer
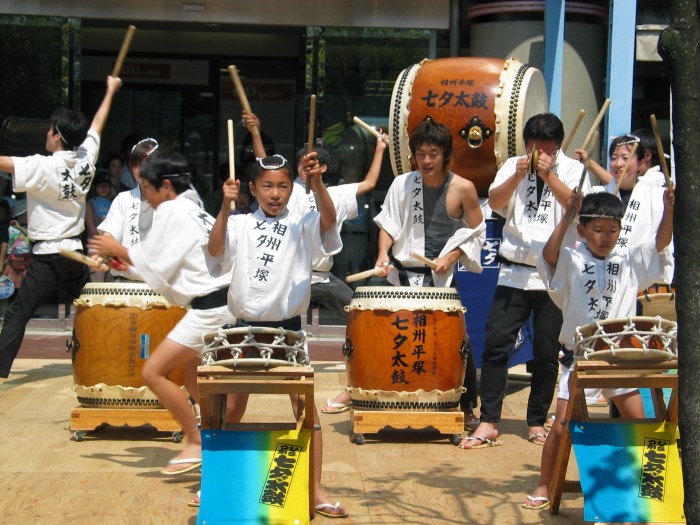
<point>594,281</point>
<point>272,250</point>
<point>173,261</point>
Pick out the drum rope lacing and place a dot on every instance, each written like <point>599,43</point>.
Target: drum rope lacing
<point>616,341</point>
<point>266,350</point>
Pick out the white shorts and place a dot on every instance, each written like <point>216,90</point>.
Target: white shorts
<point>196,323</point>
<point>607,392</point>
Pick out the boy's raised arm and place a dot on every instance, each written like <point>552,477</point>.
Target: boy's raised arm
<point>100,118</point>
<point>550,252</point>
<point>217,236</point>
<point>372,177</point>
<point>323,199</point>
<point>665,232</point>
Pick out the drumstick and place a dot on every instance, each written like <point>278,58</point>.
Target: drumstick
<point>423,259</point>
<point>366,274</point>
<point>660,149</point>
<point>633,152</point>
<point>81,258</point>
<point>126,43</point>
<point>574,129</point>
<point>369,128</point>
<point>241,95</point>
<point>596,123</point>
<point>589,150</point>
<point>312,126</point>
<point>231,165</point>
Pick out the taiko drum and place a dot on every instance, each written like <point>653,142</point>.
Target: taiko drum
<point>485,102</point>
<point>405,348</point>
<point>117,327</point>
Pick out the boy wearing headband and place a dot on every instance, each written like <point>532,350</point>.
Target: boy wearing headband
<point>596,280</point>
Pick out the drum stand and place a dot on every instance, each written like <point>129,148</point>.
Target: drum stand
<point>600,374</point>
<point>372,421</point>
<point>87,419</point>
<point>215,382</point>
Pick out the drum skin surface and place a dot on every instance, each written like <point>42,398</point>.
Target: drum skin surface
<point>116,328</point>
<point>485,102</point>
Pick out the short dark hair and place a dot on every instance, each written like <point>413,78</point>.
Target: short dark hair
<point>627,140</point>
<point>433,133</point>
<point>545,126</point>
<point>647,142</point>
<point>247,153</point>
<point>601,205</point>
<point>270,161</point>
<point>324,158</point>
<point>141,151</point>
<point>71,125</point>
<point>167,165</point>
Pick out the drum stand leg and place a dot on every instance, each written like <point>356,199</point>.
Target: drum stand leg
<point>215,382</point>
<point>372,421</point>
<point>600,374</point>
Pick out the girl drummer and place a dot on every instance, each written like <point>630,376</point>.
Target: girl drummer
<point>173,262</point>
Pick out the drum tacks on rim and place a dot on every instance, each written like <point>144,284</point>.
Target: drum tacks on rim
<point>628,339</point>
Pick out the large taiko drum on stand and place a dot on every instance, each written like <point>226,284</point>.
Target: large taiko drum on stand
<point>485,102</point>
<point>405,348</point>
<point>116,327</point>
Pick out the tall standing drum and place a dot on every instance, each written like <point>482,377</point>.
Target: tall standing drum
<point>405,348</point>
<point>485,102</point>
<point>116,327</point>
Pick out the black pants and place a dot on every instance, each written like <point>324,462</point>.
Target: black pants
<point>47,274</point>
<point>511,309</point>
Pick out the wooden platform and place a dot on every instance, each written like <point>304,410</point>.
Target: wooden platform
<point>112,476</point>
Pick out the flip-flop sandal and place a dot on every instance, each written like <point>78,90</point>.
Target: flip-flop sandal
<point>194,502</point>
<point>335,408</point>
<point>194,463</point>
<point>535,438</point>
<point>484,442</point>
<point>321,509</point>
<point>543,503</point>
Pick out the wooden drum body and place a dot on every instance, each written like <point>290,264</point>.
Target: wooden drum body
<point>628,339</point>
<point>116,327</point>
<point>405,348</point>
<point>485,102</point>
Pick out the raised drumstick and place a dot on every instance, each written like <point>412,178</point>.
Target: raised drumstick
<point>369,128</point>
<point>312,132</point>
<point>660,150</point>
<point>241,95</point>
<point>596,123</point>
<point>231,164</point>
<point>126,43</point>
<point>567,141</point>
<point>423,259</point>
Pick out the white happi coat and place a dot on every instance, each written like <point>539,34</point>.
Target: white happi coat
<point>122,223</point>
<point>56,187</point>
<point>272,263</point>
<point>587,289</point>
<point>654,176</point>
<point>642,218</point>
<point>174,259</point>
<point>344,199</point>
<point>402,218</point>
<point>529,225</point>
